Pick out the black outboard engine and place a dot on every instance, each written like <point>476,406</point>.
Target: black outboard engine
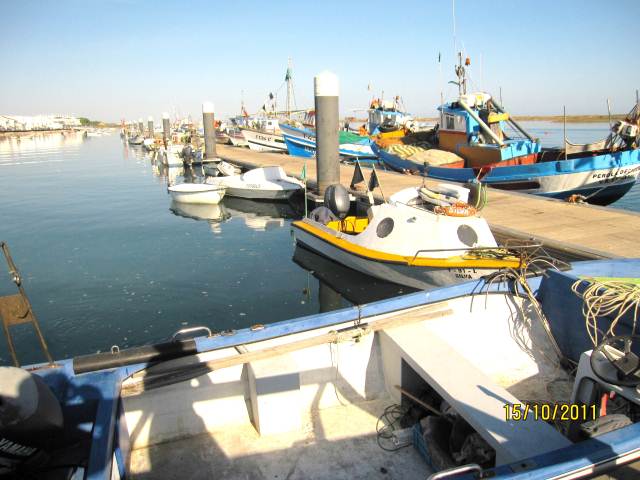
<point>30,422</point>
<point>336,199</point>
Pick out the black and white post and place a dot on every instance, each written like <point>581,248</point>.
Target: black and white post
<point>326,92</point>
<point>150,126</point>
<point>208,123</point>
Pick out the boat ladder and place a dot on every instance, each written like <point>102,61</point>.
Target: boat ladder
<point>16,310</point>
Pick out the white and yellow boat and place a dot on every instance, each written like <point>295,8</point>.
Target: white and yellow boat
<point>410,241</point>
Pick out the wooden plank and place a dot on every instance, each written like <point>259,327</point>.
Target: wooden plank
<point>602,232</point>
<point>136,384</point>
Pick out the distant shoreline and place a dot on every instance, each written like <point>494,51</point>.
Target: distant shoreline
<point>554,118</point>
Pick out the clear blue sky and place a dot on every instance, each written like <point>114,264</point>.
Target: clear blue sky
<point>110,59</point>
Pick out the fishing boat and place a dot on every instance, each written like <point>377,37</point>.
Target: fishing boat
<point>265,136</point>
<point>263,133</point>
<point>171,155</point>
<point>236,138</point>
<point>420,237</point>
<point>486,379</point>
<point>475,127</point>
<point>221,167</point>
<point>133,139</point>
<point>197,193</point>
<point>301,142</point>
<point>265,183</point>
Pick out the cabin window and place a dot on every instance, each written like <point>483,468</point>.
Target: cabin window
<point>385,227</point>
<point>450,123</point>
<point>467,235</point>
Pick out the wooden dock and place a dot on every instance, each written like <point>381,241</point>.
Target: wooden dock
<point>582,230</point>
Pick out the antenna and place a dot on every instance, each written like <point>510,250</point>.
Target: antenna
<point>453,8</point>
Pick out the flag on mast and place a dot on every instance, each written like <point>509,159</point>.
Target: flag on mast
<point>358,176</point>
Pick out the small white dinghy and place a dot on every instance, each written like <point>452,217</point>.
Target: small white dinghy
<point>197,193</point>
<point>266,183</point>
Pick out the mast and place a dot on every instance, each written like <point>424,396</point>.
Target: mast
<point>289,80</point>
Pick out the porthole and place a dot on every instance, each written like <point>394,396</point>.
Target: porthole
<point>467,235</point>
<point>385,227</point>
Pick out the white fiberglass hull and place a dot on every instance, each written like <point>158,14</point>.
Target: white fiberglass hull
<point>264,141</point>
<point>423,278</point>
<point>196,193</point>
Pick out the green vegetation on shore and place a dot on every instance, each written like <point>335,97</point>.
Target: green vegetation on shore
<point>571,118</point>
<point>85,122</point>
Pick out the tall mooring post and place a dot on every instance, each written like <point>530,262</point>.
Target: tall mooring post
<point>209,131</point>
<point>326,90</point>
<point>166,128</point>
<point>150,126</point>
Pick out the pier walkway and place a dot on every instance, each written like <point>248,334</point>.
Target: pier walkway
<point>583,230</point>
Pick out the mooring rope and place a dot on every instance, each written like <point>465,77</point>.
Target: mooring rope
<point>612,299</point>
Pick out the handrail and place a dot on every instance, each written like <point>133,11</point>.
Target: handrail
<point>184,331</point>
<point>450,472</point>
<point>477,249</point>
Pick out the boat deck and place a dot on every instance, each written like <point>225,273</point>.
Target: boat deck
<point>338,443</point>
<point>584,230</point>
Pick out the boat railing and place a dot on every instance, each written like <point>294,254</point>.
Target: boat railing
<point>185,331</point>
<point>507,249</point>
<point>455,471</point>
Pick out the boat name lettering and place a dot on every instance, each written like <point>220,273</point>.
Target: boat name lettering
<point>12,448</point>
<point>464,273</point>
<point>262,137</point>
<point>620,174</point>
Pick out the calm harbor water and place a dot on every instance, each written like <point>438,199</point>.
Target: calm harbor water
<point>107,259</point>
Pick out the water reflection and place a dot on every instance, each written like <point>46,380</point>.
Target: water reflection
<point>30,145</point>
<point>214,214</point>
<point>260,215</point>
<point>337,281</point>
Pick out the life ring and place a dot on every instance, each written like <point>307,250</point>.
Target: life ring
<point>458,209</point>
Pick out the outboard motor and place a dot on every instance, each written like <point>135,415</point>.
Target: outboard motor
<point>336,199</point>
<point>30,422</point>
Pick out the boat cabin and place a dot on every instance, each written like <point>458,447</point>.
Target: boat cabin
<point>474,128</point>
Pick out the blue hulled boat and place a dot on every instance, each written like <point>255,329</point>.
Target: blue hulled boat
<point>301,142</point>
<point>486,378</point>
<point>475,127</point>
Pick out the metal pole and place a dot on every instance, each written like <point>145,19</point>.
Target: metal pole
<point>483,125</point>
<point>564,121</point>
<point>166,129</point>
<point>326,91</point>
<point>609,111</point>
<point>208,122</point>
<point>500,108</point>
<point>150,126</point>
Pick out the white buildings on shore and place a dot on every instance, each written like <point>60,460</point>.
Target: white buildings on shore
<point>21,123</point>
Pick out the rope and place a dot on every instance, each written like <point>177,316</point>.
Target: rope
<point>612,299</point>
<point>534,262</point>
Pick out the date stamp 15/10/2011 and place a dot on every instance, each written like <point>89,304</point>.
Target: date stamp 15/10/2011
<point>550,412</point>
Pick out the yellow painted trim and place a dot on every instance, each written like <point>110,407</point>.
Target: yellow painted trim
<point>349,225</point>
<point>498,117</point>
<point>460,261</point>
